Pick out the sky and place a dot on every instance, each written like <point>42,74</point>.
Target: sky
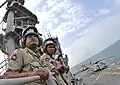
<point>84,27</point>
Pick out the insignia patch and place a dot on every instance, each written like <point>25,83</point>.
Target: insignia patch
<point>47,59</point>
<point>14,57</point>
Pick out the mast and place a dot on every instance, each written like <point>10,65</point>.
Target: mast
<point>17,18</point>
<point>10,44</point>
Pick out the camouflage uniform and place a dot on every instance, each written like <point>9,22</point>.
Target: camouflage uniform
<point>51,63</point>
<point>24,60</point>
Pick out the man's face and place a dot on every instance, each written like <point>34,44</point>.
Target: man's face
<point>50,49</point>
<point>32,41</point>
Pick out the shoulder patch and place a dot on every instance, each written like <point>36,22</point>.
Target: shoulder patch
<point>47,59</point>
<point>14,57</point>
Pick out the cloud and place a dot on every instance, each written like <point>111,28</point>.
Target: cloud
<point>99,36</point>
<point>83,33</point>
<point>103,12</point>
<point>61,17</point>
<point>32,4</point>
<point>117,1</point>
<point>114,1</point>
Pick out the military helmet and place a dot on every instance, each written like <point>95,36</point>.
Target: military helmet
<point>49,41</point>
<point>30,30</point>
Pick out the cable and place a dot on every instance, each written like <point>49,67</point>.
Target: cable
<point>3,3</point>
<point>1,21</point>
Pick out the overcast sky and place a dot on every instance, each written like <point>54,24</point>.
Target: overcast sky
<point>84,27</point>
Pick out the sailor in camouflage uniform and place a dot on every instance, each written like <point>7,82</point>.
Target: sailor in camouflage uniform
<point>25,62</point>
<point>49,48</point>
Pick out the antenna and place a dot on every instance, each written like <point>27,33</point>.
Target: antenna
<point>3,4</point>
<point>48,33</point>
<point>44,37</point>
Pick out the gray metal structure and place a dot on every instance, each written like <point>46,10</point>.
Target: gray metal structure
<point>17,18</point>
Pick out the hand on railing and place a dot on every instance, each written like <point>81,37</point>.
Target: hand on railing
<point>42,72</point>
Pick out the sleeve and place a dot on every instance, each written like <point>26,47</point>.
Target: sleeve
<point>60,67</point>
<point>47,61</point>
<point>15,62</point>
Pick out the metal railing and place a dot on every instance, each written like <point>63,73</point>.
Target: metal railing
<point>3,66</point>
<point>19,81</point>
